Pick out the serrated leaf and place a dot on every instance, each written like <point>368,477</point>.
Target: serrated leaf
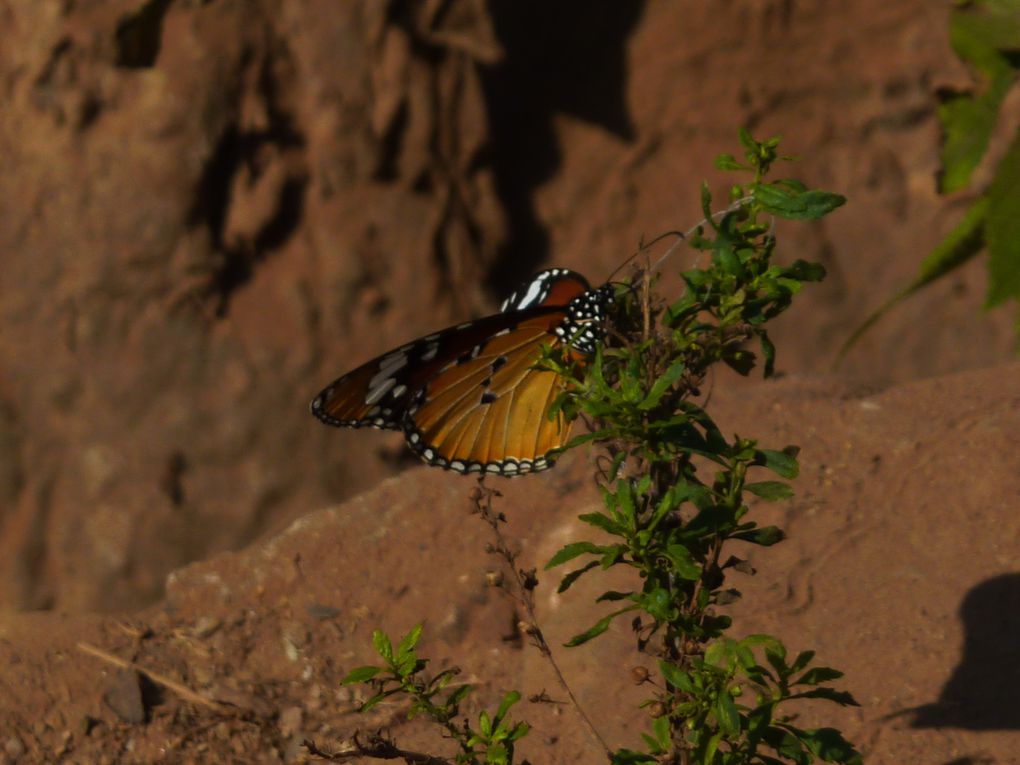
<point>361,675</point>
<point>770,491</point>
<point>1002,229</point>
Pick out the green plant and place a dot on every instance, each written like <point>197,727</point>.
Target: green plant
<point>718,700</point>
<point>985,35</point>
<point>403,674</point>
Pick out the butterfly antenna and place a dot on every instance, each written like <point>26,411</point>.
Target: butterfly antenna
<point>682,237</point>
<point>643,247</point>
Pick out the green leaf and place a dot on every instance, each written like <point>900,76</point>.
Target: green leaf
<point>596,629</point>
<point>959,245</point>
<point>729,162</point>
<point>661,730</point>
<point>569,579</point>
<point>770,490</point>
<point>676,677</point>
<point>829,744</point>
<point>727,715</point>
<point>766,536</point>
<point>683,562</point>
<point>382,645</point>
<point>842,698</point>
<point>664,383</point>
<point>458,694</point>
<point>509,700</point>
<point>613,595</point>
<point>817,676</point>
<point>712,747</point>
<point>409,642</point>
<point>782,463</point>
<point>1002,229</point>
<point>361,675</point>
<point>602,521</point>
<point>980,34</point>
<point>794,205</point>
<point>573,550</point>
<point>630,757</point>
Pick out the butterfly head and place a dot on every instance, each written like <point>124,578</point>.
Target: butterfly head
<point>582,326</point>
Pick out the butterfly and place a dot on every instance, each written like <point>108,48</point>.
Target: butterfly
<point>470,398</point>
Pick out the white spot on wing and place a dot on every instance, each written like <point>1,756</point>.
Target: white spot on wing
<point>377,392</point>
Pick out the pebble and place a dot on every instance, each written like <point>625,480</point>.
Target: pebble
<point>14,747</point>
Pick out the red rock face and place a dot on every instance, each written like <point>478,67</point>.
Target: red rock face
<point>209,210</point>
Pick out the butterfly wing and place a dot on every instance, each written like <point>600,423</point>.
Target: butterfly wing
<point>468,398</point>
<point>378,393</point>
<point>489,413</point>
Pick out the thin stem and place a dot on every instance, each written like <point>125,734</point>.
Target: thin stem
<point>526,583</point>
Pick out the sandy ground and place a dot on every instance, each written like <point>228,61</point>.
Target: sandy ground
<point>211,210</point>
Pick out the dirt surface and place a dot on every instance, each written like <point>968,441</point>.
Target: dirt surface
<point>212,209</point>
<point>899,570</point>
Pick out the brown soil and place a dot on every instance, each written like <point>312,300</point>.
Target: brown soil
<point>212,209</point>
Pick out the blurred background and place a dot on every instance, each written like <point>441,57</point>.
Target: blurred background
<point>209,209</point>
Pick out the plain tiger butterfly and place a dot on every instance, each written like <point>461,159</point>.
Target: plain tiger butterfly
<point>470,398</point>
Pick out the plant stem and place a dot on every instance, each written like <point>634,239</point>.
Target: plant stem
<point>482,499</point>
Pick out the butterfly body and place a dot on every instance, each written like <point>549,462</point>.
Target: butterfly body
<point>469,398</point>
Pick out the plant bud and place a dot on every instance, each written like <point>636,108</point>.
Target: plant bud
<point>638,675</point>
<point>494,578</point>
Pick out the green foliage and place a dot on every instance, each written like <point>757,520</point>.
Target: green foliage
<point>719,701</point>
<point>985,34</point>
<point>675,491</point>
<point>401,674</point>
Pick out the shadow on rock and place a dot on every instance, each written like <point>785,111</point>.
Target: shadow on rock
<point>984,689</point>
<point>566,58</point>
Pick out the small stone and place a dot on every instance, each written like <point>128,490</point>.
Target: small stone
<point>124,697</point>
<point>14,747</point>
<point>206,626</point>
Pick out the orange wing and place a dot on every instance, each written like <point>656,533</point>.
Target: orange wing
<point>488,413</point>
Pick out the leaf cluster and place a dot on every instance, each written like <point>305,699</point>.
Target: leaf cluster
<point>669,522</point>
<point>402,674</point>
<point>676,490</point>
<point>985,35</point>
